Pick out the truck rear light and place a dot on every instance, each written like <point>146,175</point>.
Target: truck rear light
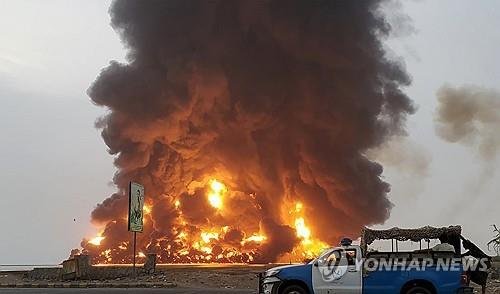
<point>464,279</point>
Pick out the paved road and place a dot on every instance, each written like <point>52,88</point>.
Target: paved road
<point>123,291</point>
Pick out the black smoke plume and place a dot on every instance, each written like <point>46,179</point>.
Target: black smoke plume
<point>278,99</point>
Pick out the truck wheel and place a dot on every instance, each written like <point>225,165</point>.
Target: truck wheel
<point>418,290</point>
<point>294,289</point>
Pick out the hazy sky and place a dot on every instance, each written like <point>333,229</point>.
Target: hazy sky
<point>55,168</point>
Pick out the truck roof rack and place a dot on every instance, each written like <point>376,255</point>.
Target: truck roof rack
<point>416,235</point>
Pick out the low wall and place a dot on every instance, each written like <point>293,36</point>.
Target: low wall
<point>53,273</point>
<point>79,268</point>
<point>94,273</point>
<point>112,272</point>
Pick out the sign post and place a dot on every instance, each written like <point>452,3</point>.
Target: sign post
<point>135,213</point>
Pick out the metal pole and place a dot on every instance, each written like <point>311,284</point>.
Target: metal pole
<point>392,245</point>
<point>135,240</point>
<point>397,250</point>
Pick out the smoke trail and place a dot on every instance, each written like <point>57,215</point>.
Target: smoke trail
<point>470,115</point>
<point>403,154</point>
<point>277,99</point>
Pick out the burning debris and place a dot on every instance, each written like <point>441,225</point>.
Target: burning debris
<point>247,123</point>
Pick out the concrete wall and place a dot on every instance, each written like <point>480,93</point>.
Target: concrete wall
<point>112,272</point>
<point>79,268</point>
<point>93,273</point>
<point>44,274</point>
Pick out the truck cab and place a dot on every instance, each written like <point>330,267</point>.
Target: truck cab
<point>338,270</point>
<point>335,270</point>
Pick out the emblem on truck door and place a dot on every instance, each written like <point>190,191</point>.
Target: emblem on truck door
<point>334,265</point>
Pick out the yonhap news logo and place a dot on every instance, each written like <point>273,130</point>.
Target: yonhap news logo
<point>337,263</point>
<point>423,264</point>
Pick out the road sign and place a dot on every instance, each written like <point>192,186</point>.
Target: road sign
<point>135,207</point>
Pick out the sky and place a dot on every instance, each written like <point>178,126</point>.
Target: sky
<point>55,167</point>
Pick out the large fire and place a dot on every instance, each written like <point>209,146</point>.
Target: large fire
<point>223,243</point>
<point>248,123</point>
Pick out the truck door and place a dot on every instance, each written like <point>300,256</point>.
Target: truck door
<point>338,271</point>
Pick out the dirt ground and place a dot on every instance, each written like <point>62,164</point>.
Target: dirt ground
<point>492,288</point>
<point>241,277</point>
<point>185,276</point>
<point>206,276</point>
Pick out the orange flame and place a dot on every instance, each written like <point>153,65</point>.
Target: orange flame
<point>217,191</point>
<point>96,241</point>
<point>210,244</point>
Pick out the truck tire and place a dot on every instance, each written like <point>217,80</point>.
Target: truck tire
<point>294,289</point>
<point>418,290</point>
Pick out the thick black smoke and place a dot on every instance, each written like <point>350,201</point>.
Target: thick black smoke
<point>279,99</point>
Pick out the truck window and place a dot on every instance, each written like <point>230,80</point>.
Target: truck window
<point>334,257</point>
<point>350,254</point>
<point>330,258</point>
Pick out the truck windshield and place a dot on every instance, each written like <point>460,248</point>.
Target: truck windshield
<point>322,254</point>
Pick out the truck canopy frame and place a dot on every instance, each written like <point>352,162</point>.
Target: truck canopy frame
<point>416,235</point>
